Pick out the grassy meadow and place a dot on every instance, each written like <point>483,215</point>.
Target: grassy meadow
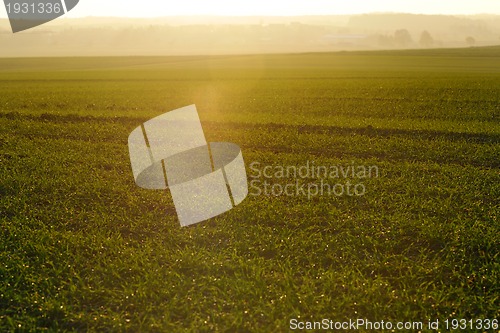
<point>82,248</point>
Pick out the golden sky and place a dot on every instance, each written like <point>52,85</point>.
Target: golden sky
<point>156,8</point>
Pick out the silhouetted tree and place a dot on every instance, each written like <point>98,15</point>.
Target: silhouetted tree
<point>471,41</point>
<point>402,37</point>
<point>426,39</point>
<point>385,41</point>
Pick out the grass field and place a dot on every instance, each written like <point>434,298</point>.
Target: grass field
<point>82,248</point>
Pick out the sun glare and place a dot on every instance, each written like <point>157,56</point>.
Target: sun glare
<point>151,8</point>
<point>219,7</point>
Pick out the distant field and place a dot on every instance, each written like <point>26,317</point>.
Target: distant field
<point>82,248</point>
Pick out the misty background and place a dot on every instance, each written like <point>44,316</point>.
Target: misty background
<point>202,35</point>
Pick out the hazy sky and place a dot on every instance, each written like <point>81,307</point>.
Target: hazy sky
<point>152,8</point>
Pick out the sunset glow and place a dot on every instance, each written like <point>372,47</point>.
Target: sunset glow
<point>150,8</point>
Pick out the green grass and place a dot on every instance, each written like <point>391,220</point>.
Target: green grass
<point>82,248</point>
